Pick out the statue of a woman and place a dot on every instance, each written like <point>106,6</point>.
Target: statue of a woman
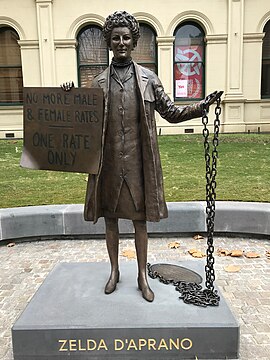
<point>129,183</point>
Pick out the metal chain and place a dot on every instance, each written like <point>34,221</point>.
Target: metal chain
<point>211,172</point>
<point>192,293</point>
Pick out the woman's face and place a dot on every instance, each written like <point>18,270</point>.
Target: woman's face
<point>121,43</point>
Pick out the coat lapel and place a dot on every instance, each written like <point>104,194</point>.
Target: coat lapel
<point>142,78</point>
<point>104,82</point>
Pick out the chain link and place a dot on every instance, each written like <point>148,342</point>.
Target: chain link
<point>192,293</point>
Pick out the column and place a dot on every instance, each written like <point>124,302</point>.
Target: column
<point>30,62</point>
<point>234,107</point>
<point>66,61</point>
<point>216,50</point>
<point>46,42</point>
<point>235,48</point>
<point>165,73</point>
<point>165,62</point>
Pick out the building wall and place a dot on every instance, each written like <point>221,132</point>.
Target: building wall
<point>234,35</point>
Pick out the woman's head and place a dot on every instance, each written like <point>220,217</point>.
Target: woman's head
<point>121,19</point>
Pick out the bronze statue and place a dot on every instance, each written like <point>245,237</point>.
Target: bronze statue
<point>129,183</point>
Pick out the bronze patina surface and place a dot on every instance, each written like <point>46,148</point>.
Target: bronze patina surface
<point>62,130</point>
<point>176,273</point>
<point>129,183</point>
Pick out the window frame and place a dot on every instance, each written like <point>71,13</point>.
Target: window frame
<point>203,62</point>
<point>19,67</point>
<point>265,59</point>
<point>79,65</point>
<point>155,63</point>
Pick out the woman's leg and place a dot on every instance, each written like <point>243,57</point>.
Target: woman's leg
<point>141,243</point>
<point>112,242</point>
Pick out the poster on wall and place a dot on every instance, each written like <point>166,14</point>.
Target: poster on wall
<point>181,88</point>
<point>188,71</point>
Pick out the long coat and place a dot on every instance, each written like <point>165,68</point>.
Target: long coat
<point>151,97</point>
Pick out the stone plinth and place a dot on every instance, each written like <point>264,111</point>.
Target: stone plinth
<point>70,317</point>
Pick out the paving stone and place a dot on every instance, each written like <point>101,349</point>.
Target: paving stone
<point>264,328</point>
<point>247,292</point>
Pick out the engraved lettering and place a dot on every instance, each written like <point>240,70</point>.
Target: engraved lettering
<point>162,345</point>
<point>29,114</point>
<point>53,115</point>
<point>61,158</point>
<point>80,348</point>
<point>86,116</point>
<point>126,344</point>
<point>152,344</point>
<point>55,99</point>
<point>65,139</point>
<point>142,343</point>
<point>186,344</point>
<point>91,345</point>
<point>43,140</point>
<point>75,142</point>
<point>31,98</point>
<point>175,344</point>
<point>118,344</point>
<point>131,345</point>
<point>102,345</point>
<point>82,99</point>
<point>62,347</point>
<point>72,345</point>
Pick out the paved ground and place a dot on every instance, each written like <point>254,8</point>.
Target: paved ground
<point>25,266</point>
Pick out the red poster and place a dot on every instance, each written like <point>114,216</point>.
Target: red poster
<point>188,71</point>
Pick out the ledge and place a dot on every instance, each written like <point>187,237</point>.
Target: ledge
<point>55,221</point>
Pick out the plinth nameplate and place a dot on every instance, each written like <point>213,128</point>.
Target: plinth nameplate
<point>62,129</point>
<point>70,317</point>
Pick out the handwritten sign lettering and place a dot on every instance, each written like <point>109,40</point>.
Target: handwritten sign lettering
<point>62,130</point>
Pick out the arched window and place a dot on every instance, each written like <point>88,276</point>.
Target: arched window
<point>189,62</point>
<point>11,80</point>
<point>145,53</point>
<point>265,87</point>
<point>92,54</point>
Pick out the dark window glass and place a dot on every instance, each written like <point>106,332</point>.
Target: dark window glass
<point>145,53</point>
<point>265,87</point>
<point>189,62</point>
<point>11,80</point>
<point>92,54</point>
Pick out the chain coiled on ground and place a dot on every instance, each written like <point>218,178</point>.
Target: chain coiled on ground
<point>192,293</point>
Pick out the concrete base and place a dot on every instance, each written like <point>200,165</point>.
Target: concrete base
<point>70,317</point>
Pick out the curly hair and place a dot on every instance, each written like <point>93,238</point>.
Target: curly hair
<point>121,19</point>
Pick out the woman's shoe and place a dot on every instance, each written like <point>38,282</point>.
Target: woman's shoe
<point>147,293</point>
<point>111,284</point>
